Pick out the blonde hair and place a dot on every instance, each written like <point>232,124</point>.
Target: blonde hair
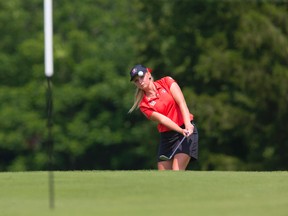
<point>137,98</point>
<point>139,93</point>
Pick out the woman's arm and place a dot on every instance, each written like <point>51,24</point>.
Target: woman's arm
<point>180,100</point>
<point>162,119</point>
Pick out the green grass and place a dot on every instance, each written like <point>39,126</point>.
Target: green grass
<point>150,193</point>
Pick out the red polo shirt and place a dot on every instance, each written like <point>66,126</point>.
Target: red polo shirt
<point>163,103</point>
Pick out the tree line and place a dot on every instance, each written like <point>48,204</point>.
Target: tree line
<point>229,58</point>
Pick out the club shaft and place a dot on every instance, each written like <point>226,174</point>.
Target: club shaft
<point>176,148</point>
<point>163,157</point>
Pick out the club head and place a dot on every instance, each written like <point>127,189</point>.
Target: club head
<point>164,158</point>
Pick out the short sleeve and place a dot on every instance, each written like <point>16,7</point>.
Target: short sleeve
<point>147,111</point>
<point>169,81</point>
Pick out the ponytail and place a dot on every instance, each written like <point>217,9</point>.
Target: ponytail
<point>138,97</point>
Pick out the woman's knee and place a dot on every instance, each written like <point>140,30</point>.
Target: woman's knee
<point>165,165</point>
<point>180,161</point>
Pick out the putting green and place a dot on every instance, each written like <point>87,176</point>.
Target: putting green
<point>145,193</point>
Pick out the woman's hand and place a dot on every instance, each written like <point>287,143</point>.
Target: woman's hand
<point>188,130</point>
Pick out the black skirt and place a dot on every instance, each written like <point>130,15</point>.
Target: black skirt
<point>170,139</point>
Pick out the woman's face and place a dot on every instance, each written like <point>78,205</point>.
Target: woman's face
<point>142,82</point>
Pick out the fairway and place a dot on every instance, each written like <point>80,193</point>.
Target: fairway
<point>136,193</point>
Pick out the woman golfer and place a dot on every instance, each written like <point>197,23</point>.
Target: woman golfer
<point>163,101</point>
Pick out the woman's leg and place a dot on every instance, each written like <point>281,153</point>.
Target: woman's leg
<point>180,161</point>
<point>165,165</point>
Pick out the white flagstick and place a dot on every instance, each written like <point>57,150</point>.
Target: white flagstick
<point>48,32</point>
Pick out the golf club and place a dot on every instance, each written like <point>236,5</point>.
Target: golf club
<point>165,158</point>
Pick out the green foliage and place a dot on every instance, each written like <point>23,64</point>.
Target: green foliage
<point>229,57</point>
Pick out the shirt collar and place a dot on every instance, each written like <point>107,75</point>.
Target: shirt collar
<point>158,86</point>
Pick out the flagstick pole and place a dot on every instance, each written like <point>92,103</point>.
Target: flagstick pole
<point>48,32</point>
